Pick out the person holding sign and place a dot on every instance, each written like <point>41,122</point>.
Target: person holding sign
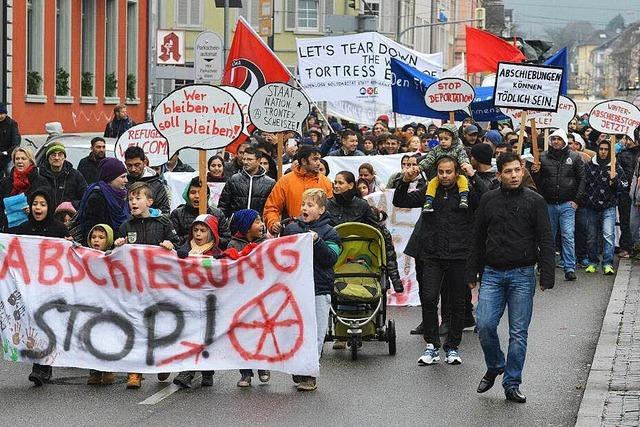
<point>449,146</point>
<point>603,187</point>
<point>41,223</point>
<point>560,179</point>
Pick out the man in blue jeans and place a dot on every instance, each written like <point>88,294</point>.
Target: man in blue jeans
<point>511,234</point>
<point>602,192</point>
<point>560,179</point>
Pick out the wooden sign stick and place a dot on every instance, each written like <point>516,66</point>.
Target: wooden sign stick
<point>280,142</point>
<point>613,154</point>
<point>452,117</point>
<point>523,123</point>
<point>534,142</point>
<point>546,139</point>
<point>202,172</point>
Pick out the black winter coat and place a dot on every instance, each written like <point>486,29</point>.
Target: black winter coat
<point>158,190</point>
<point>561,176</point>
<point>6,185</point>
<point>183,216</point>
<point>324,258</point>
<point>148,231</point>
<point>600,193</point>
<point>89,169</point>
<point>628,159</point>
<point>49,227</point>
<point>117,127</point>
<point>67,186</point>
<point>512,230</point>
<point>244,191</point>
<point>444,233</point>
<point>9,136</point>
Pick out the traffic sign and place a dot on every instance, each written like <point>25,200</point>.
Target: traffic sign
<point>208,58</point>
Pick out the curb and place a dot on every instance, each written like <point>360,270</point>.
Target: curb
<point>597,388</point>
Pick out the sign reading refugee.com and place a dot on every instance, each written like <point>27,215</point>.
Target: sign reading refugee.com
<point>527,87</point>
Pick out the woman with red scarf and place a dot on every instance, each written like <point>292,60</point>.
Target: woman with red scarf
<point>23,179</point>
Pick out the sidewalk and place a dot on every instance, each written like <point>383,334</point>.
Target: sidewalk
<point>612,393</point>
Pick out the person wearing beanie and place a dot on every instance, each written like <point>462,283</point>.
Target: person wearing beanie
<point>560,179</point>
<point>104,202</point>
<point>203,241</point>
<point>481,175</point>
<point>449,146</point>
<point>64,212</point>
<point>183,216</point>
<point>67,183</point>
<point>247,232</point>
<point>9,139</point>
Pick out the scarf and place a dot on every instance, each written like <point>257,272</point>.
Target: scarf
<point>20,180</point>
<point>116,203</point>
<point>200,250</point>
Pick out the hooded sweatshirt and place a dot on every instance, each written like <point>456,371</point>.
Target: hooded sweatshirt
<point>107,229</point>
<point>456,150</point>
<point>190,248</point>
<point>600,192</point>
<point>49,226</point>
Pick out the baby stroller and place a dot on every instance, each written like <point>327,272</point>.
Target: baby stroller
<point>359,298</point>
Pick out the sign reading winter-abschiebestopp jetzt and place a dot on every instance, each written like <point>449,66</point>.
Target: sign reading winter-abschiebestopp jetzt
<point>277,107</point>
<point>615,117</point>
<point>527,87</point>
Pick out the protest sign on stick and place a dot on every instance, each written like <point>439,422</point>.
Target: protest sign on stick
<point>527,87</point>
<point>534,142</point>
<point>147,137</point>
<point>547,119</point>
<point>546,139</point>
<point>449,95</point>
<point>198,116</point>
<point>278,107</point>
<point>521,132</point>
<point>615,117</point>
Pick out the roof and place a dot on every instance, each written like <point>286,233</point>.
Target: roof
<point>598,38</point>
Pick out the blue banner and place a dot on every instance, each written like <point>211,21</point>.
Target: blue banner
<point>408,86</point>
<point>561,59</point>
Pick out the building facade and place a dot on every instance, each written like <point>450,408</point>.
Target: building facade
<point>72,61</point>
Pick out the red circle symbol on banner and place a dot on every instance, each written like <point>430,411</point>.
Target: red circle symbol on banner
<point>254,324</point>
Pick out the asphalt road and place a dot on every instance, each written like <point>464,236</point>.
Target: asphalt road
<point>377,389</point>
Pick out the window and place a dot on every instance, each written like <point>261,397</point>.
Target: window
<point>111,49</point>
<point>88,48</point>
<point>63,47</point>
<point>189,13</point>
<point>371,7</point>
<point>307,11</point>
<point>35,42</point>
<point>132,50</point>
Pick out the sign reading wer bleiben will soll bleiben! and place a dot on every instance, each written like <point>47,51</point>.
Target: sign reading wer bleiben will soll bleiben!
<point>527,87</point>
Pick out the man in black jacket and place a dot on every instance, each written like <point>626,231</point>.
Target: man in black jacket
<point>247,189</point>
<point>510,235</point>
<point>139,171</point>
<point>445,247</point>
<point>67,184</point>
<point>9,139</point>
<point>628,159</point>
<point>119,123</point>
<point>89,166</point>
<point>560,180</point>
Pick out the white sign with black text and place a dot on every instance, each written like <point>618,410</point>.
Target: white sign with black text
<point>527,87</point>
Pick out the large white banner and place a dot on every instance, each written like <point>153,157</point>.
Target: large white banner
<point>356,67</point>
<point>363,112</point>
<point>400,224</point>
<point>141,309</point>
<point>384,165</point>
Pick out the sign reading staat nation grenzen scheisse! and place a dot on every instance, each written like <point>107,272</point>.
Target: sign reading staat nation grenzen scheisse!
<point>198,116</point>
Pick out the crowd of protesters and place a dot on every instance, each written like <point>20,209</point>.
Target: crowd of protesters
<point>488,216</point>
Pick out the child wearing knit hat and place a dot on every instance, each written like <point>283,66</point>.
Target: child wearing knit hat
<point>247,231</point>
<point>449,146</point>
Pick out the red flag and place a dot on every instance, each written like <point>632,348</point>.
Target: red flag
<point>485,50</point>
<point>251,64</point>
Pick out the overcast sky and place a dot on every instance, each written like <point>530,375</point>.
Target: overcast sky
<point>532,16</point>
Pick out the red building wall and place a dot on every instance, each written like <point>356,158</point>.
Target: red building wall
<point>75,117</point>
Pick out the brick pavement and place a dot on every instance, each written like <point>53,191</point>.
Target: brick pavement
<point>612,394</point>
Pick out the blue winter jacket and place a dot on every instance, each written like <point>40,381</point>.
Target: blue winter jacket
<point>600,193</point>
<point>325,250</point>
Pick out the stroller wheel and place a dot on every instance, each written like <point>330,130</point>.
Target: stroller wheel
<point>391,336</point>
<point>353,343</point>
